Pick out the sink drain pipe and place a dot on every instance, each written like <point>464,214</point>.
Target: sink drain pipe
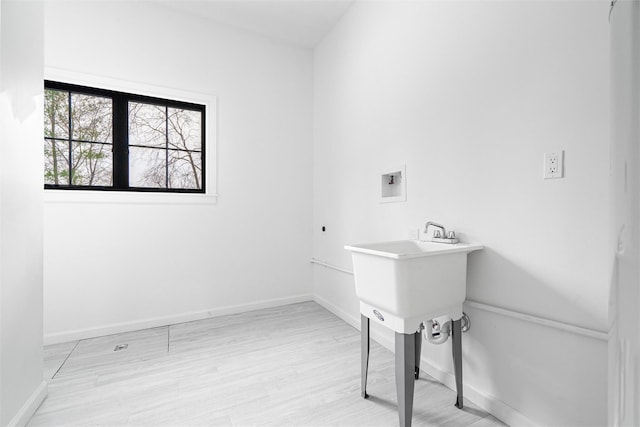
<point>438,330</point>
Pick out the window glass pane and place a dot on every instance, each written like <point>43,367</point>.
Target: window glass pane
<point>147,167</point>
<point>185,169</point>
<point>56,162</point>
<point>56,114</point>
<point>162,138</point>
<point>185,129</point>
<point>91,118</point>
<point>92,164</point>
<point>147,125</point>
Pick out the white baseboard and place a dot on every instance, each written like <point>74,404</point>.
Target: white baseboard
<point>30,406</point>
<point>347,317</point>
<point>491,404</point>
<point>486,402</point>
<point>155,322</point>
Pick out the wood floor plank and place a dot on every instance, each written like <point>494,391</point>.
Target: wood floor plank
<point>95,353</point>
<point>296,365</point>
<point>55,355</point>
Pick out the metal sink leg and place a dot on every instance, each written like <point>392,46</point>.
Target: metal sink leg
<point>405,375</point>
<point>418,339</point>
<point>364,353</point>
<point>456,346</point>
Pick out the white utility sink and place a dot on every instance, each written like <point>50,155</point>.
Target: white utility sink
<point>402,283</point>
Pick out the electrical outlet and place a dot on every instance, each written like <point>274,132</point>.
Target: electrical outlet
<point>554,164</point>
<point>413,233</point>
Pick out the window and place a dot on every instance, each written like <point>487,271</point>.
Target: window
<point>99,139</point>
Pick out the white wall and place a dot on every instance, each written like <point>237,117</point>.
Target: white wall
<point>469,95</point>
<point>21,44</point>
<point>624,343</point>
<point>116,266</point>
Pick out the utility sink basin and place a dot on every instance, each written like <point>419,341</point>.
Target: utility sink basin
<point>402,283</point>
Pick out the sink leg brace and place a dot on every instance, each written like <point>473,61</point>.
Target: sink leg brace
<point>407,358</point>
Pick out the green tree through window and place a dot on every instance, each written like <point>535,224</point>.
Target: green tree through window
<point>77,139</point>
<point>158,143</point>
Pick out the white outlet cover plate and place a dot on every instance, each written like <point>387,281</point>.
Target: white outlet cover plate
<point>553,164</point>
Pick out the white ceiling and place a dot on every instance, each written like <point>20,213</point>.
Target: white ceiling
<point>300,22</point>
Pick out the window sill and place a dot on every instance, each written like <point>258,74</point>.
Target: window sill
<point>127,198</point>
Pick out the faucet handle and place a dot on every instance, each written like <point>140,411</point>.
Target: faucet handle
<point>437,234</point>
<point>451,235</point>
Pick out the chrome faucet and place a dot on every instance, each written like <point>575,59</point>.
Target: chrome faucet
<point>440,235</point>
<point>437,232</point>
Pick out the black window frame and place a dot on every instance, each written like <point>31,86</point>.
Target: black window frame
<point>120,137</point>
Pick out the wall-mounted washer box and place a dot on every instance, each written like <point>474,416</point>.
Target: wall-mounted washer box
<point>393,184</point>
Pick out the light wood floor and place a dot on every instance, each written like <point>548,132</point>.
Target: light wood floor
<point>297,365</point>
